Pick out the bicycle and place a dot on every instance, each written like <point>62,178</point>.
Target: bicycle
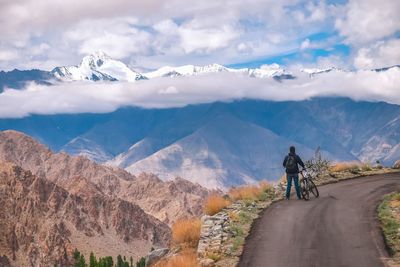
<point>307,185</point>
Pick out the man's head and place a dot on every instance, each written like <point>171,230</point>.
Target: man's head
<point>292,150</point>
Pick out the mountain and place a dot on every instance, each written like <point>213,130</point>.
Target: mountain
<point>212,144</point>
<point>313,71</point>
<point>19,78</point>
<point>225,152</point>
<point>43,223</point>
<point>101,67</point>
<point>78,174</point>
<point>97,67</point>
<point>53,203</point>
<point>273,70</point>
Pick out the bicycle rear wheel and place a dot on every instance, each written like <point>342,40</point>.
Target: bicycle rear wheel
<point>313,188</point>
<point>304,190</point>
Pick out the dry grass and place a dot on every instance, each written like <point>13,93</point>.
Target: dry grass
<point>345,166</point>
<point>186,232</point>
<point>186,258</point>
<point>251,192</point>
<point>248,192</point>
<point>265,186</point>
<point>283,179</point>
<point>234,216</point>
<point>214,204</point>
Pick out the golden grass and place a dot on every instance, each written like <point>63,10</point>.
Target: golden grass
<point>186,258</point>
<point>234,216</point>
<point>186,232</point>
<point>265,186</point>
<point>214,204</point>
<point>283,179</point>
<point>345,166</point>
<point>248,192</point>
<point>251,192</point>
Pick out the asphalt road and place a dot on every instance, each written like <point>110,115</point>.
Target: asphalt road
<point>339,229</point>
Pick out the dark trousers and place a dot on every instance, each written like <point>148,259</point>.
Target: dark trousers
<point>295,177</point>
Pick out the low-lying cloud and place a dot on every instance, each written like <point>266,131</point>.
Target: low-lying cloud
<point>95,97</point>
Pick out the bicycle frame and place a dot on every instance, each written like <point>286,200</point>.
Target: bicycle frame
<point>307,185</point>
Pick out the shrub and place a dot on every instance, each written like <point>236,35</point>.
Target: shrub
<point>186,258</point>
<point>318,164</point>
<point>396,165</point>
<point>366,167</point>
<point>214,204</point>
<point>186,232</point>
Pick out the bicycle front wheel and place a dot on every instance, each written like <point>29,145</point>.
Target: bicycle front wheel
<point>304,190</point>
<point>313,189</point>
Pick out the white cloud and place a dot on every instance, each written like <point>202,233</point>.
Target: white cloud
<point>119,38</point>
<point>7,55</point>
<point>78,97</point>
<point>369,20</point>
<point>305,44</point>
<point>378,55</point>
<point>153,32</point>
<point>206,39</point>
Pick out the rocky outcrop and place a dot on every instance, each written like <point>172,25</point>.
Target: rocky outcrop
<point>42,223</point>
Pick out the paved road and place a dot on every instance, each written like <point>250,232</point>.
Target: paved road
<point>339,229</point>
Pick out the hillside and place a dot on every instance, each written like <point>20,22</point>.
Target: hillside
<point>168,202</point>
<point>43,223</point>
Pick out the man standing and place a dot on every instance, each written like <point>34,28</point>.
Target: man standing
<point>291,163</point>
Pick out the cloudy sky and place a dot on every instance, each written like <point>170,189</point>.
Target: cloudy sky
<point>355,34</point>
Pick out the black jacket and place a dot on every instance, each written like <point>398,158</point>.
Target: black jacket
<point>298,161</point>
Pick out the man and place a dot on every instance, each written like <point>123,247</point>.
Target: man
<point>291,163</point>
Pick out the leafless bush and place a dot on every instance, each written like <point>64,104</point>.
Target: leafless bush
<point>318,164</point>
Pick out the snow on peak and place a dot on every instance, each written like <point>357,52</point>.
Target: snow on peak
<point>98,66</point>
<point>313,71</point>
<point>94,60</point>
<point>267,71</point>
<point>190,70</point>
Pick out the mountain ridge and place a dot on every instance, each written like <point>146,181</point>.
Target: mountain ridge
<point>101,67</point>
<point>343,129</point>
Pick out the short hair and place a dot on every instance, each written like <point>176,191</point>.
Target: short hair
<point>292,149</point>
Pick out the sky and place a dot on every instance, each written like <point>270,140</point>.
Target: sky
<point>355,34</point>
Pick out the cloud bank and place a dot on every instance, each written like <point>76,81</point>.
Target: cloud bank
<point>79,97</point>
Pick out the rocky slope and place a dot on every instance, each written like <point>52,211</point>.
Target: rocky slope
<point>166,201</point>
<point>42,223</point>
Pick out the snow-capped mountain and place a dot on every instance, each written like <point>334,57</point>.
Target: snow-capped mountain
<point>314,71</point>
<point>186,70</point>
<point>273,70</point>
<point>98,67</point>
